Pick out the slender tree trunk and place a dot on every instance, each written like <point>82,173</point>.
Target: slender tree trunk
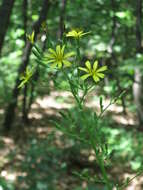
<point>10,111</point>
<point>31,99</point>
<point>25,17</point>
<point>137,86</point>
<point>24,105</point>
<point>5,12</point>
<point>24,10</point>
<point>35,80</point>
<point>113,56</point>
<point>62,19</point>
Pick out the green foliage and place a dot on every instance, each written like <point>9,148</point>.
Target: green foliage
<point>42,165</point>
<point>6,185</point>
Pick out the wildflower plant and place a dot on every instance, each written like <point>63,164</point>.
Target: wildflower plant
<point>83,127</point>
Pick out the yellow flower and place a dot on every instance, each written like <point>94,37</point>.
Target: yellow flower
<point>25,77</point>
<point>31,37</point>
<point>57,57</point>
<point>93,72</point>
<point>76,33</point>
<point>44,26</point>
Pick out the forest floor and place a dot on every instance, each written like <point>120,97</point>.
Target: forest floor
<point>32,150</point>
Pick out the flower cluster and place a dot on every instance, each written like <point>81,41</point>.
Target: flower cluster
<point>57,58</point>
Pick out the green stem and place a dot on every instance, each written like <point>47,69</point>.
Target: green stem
<point>130,180</point>
<point>78,50</point>
<point>113,101</point>
<point>73,91</point>
<point>103,171</point>
<point>76,98</point>
<point>100,161</point>
<point>78,57</point>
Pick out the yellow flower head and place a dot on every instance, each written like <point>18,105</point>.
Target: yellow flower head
<point>44,26</point>
<point>76,33</point>
<point>31,37</point>
<point>57,57</point>
<point>93,72</point>
<point>25,77</point>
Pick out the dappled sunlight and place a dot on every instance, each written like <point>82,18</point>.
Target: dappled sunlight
<point>115,110</point>
<point>124,120</point>
<point>1,111</point>
<point>51,102</point>
<point>135,183</point>
<point>7,145</point>
<point>8,176</point>
<point>35,115</point>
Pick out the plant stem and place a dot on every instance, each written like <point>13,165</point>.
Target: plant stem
<point>75,95</point>
<point>100,161</point>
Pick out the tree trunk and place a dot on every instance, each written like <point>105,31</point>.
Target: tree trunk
<point>60,35</point>
<point>25,18</point>
<point>137,86</point>
<point>5,12</point>
<point>113,55</point>
<point>10,111</point>
<point>24,10</point>
<point>62,19</point>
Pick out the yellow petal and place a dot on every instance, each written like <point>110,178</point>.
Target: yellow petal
<point>50,61</point>
<point>49,56</point>
<point>88,65</point>
<point>80,33</point>
<point>58,49</point>
<point>95,65</point>
<point>104,68</point>
<point>59,64</point>
<point>32,37</point>
<point>66,63</point>
<point>53,65</point>
<point>62,50</point>
<point>95,78</point>
<point>100,75</point>
<point>70,34</point>
<point>70,54</point>
<point>21,84</point>
<point>52,52</point>
<point>83,69</point>
<point>84,77</point>
<point>83,34</point>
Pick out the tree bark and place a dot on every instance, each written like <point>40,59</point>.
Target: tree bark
<point>113,55</point>
<point>25,19</point>
<point>137,86</point>
<point>33,84</point>
<point>5,12</point>
<point>10,111</point>
<point>62,19</point>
